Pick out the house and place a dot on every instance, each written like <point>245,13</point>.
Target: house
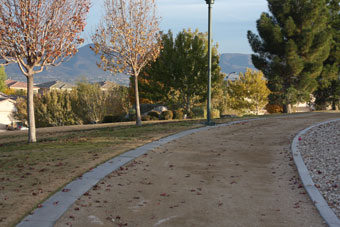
<point>19,86</point>
<point>54,85</point>
<point>106,85</point>
<point>6,108</point>
<point>231,76</point>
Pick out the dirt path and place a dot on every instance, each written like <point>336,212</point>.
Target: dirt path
<point>240,175</point>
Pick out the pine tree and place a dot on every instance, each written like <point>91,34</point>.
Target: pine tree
<point>329,81</point>
<point>293,42</point>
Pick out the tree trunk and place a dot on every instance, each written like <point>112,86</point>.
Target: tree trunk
<point>334,105</point>
<point>30,111</point>
<point>188,109</point>
<point>138,115</point>
<point>287,108</point>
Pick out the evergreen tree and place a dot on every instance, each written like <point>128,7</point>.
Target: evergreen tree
<point>329,81</point>
<point>293,42</point>
<point>179,76</point>
<point>3,77</point>
<point>328,96</point>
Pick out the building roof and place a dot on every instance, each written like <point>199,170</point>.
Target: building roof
<point>55,85</point>
<point>4,97</point>
<point>16,84</point>
<point>8,82</point>
<point>107,84</point>
<point>232,76</point>
<point>7,99</point>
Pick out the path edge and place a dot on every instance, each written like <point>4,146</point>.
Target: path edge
<point>48,213</point>
<point>320,203</point>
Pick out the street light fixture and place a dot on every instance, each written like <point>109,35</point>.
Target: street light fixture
<point>209,122</point>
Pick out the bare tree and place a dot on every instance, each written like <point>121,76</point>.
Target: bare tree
<point>39,33</point>
<point>128,39</point>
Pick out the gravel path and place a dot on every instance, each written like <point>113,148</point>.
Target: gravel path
<point>320,149</point>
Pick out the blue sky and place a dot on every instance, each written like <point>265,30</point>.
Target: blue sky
<point>231,19</point>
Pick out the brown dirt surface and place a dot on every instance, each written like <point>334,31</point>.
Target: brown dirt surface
<point>238,175</point>
<point>30,173</point>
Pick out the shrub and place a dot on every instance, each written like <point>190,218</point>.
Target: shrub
<point>167,115</point>
<point>154,115</point>
<point>132,114</point>
<point>146,118</point>
<point>111,119</point>
<point>215,113</point>
<point>197,112</point>
<point>274,108</point>
<point>178,114</point>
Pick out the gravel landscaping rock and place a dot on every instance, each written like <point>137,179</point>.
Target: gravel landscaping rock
<point>320,149</point>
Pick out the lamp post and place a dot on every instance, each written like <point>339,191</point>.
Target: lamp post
<point>209,122</point>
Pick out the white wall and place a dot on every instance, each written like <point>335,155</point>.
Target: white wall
<point>6,108</point>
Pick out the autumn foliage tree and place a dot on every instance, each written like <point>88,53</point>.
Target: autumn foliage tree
<point>128,39</point>
<point>36,34</point>
<point>249,93</point>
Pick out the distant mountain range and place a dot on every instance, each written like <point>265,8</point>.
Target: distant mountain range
<point>235,63</point>
<point>83,65</point>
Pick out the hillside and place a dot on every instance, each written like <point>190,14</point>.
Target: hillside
<point>83,64</point>
<point>235,62</point>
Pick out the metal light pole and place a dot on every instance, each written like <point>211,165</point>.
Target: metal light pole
<point>209,122</point>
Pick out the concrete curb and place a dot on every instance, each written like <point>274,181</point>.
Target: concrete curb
<point>325,211</point>
<point>53,208</point>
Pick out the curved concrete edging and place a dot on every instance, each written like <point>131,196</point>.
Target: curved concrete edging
<point>54,207</point>
<point>325,211</point>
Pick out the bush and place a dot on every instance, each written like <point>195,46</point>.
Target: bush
<point>132,114</point>
<point>197,112</point>
<point>274,108</point>
<point>167,115</point>
<point>215,113</point>
<point>178,114</point>
<point>154,115</point>
<point>111,119</point>
<point>146,118</point>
